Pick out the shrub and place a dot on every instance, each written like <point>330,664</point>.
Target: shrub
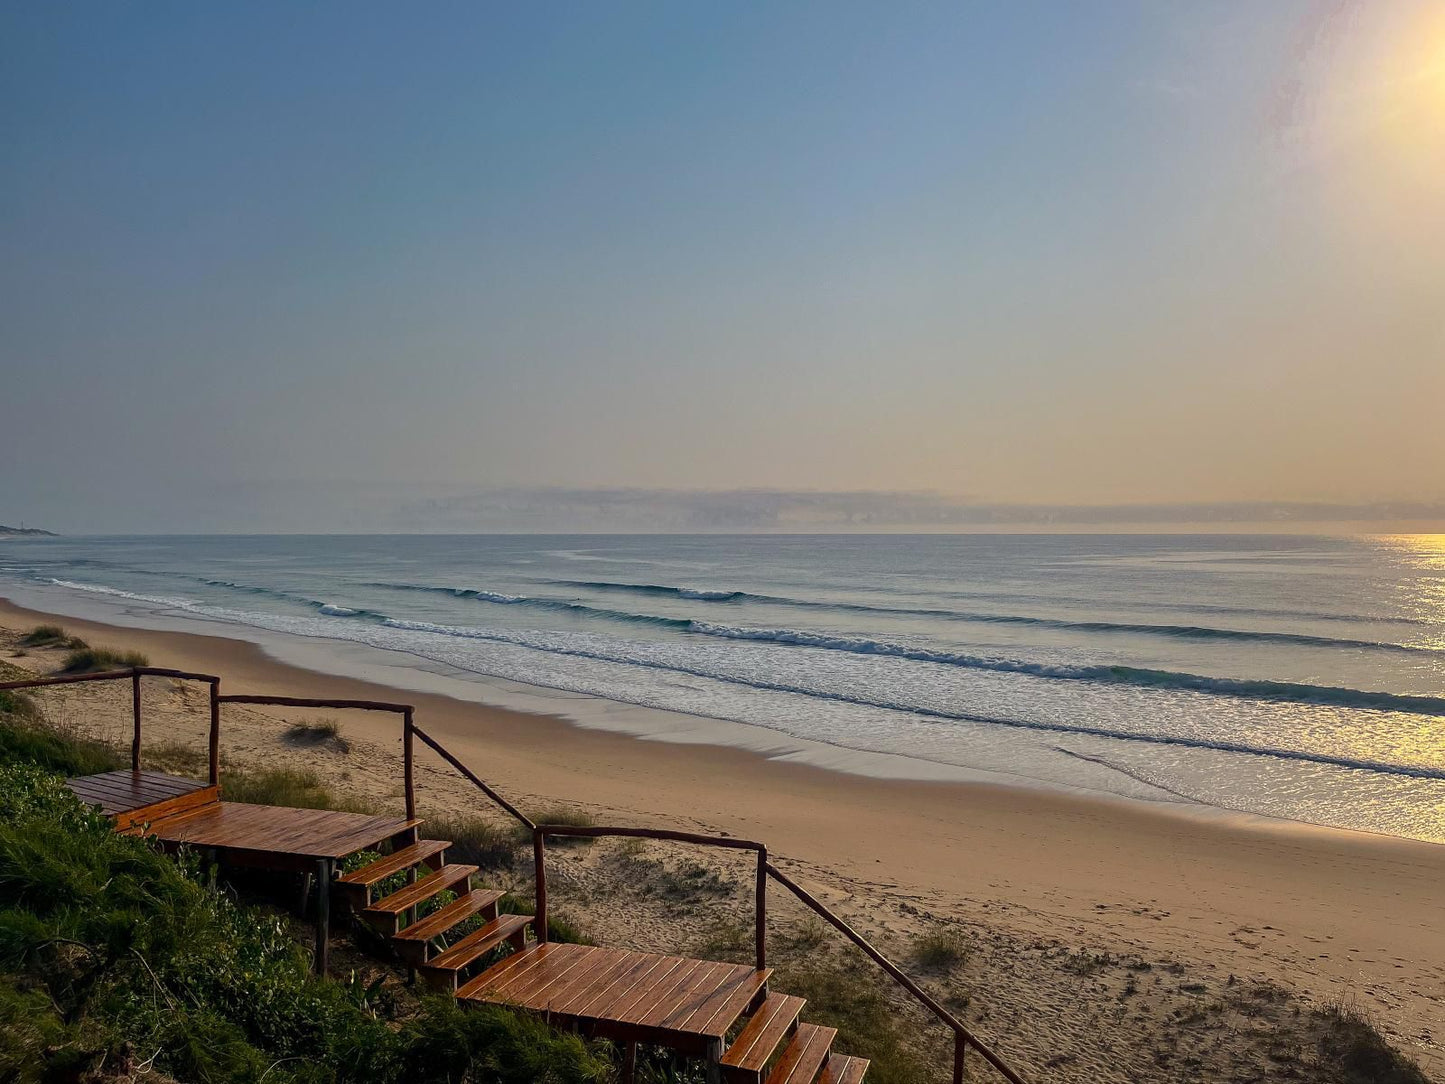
<point>51,636</point>
<point>478,842</point>
<point>940,949</point>
<point>1350,1043</point>
<point>318,732</point>
<point>26,737</point>
<point>573,818</point>
<point>92,660</point>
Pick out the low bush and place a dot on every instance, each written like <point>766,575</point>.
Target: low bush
<point>1353,1047</point>
<point>94,660</point>
<point>940,949</point>
<point>479,842</point>
<point>51,636</point>
<point>318,732</point>
<point>26,737</point>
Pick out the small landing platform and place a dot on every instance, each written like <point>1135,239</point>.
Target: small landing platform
<point>132,798</point>
<point>629,996</point>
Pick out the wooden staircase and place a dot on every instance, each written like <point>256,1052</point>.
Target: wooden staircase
<point>766,1041</point>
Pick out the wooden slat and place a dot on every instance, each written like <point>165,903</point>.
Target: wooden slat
<point>635,976</point>
<point>774,1018</point>
<point>719,1013</point>
<point>622,1008</point>
<point>401,859</point>
<point>804,1056</point>
<point>665,991</point>
<point>841,1069</point>
<point>612,965</point>
<point>454,913</point>
<point>535,987</point>
<point>690,997</point>
<point>159,811</point>
<point>485,986</point>
<point>305,833</point>
<point>424,889</point>
<point>479,942</point>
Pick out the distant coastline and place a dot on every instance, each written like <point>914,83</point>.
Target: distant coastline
<point>25,532</point>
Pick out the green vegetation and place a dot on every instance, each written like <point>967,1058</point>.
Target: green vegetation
<point>94,660</point>
<point>940,949</point>
<point>562,817</point>
<point>50,636</point>
<point>115,957</point>
<point>318,732</point>
<point>1350,1041</point>
<point>299,788</point>
<point>479,842</point>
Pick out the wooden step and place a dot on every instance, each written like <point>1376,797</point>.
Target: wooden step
<point>804,1056</point>
<point>444,971</point>
<point>841,1069</point>
<point>413,943</point>
<point>386,912</point>
<point>357,884</point>
<point>770,1023</point>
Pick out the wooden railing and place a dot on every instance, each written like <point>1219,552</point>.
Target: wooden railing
<point>963,1038</point>
<point>134,674</point>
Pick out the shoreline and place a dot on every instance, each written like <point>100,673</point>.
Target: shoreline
<point>1326,912</point>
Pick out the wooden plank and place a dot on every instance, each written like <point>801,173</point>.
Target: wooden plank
<point>400,859</point>
<point>615,963</point>
<point>534,988</point>
<point>427,887</point>
<point>841,1069</point>
<point>309,833</point>
<point>149,814</point>
<point>804,1056</point>
<point>774,1018</point>
<point>480,941</point>
<point>717,1015</point>
<point>663,993</point>
<point>627,1000</point>
<point>439,922</point>
<point>487,985</point>
<point>631,979</point>
<point>701,986</point>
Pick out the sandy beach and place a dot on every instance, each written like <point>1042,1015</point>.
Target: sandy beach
<point>1207,901</point>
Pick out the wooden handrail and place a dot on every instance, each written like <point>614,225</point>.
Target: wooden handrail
<point>540,833</point>
<point>965,1037</point>
<point>472,777</point>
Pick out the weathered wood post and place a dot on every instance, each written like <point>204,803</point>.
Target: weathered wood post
<point>539,863</point>
<point>215,731</point>
<point>760,919</point>
<point>407,726</point>
<point>135,712</point>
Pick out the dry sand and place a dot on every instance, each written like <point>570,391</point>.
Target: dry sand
<point>1110,940</point>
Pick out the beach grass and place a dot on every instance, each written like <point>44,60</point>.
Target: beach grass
<point>50,636</point>
<point>318,732</point>
<point>940,949</point>
<point>94,660</point>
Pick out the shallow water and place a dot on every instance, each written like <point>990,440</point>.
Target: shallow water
<point>1289,676</point>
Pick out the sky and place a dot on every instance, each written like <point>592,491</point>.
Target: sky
<point>280,264</point>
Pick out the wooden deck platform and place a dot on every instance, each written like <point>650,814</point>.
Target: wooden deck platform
<point>685,1004</point>
<point>134,798</point>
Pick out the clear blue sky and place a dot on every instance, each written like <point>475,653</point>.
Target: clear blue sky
<point>1103,251</point>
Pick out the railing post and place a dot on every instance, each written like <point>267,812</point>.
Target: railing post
<point>406,759</point>
<point>135,711</point>
<point>216,732</point>
<point>760,918</point>
<point>960,1044</point>
<point>539,862</point>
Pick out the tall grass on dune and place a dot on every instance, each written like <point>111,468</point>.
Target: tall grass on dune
<point>95,660</point>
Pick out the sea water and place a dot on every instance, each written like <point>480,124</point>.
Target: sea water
<point>1296,677</point>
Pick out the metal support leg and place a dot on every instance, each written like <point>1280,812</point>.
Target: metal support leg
<point>323,915</point>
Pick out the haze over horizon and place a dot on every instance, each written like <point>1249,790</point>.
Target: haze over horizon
<point>330,268</point>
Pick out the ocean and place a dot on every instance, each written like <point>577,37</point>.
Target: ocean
<point>1286,676</point>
